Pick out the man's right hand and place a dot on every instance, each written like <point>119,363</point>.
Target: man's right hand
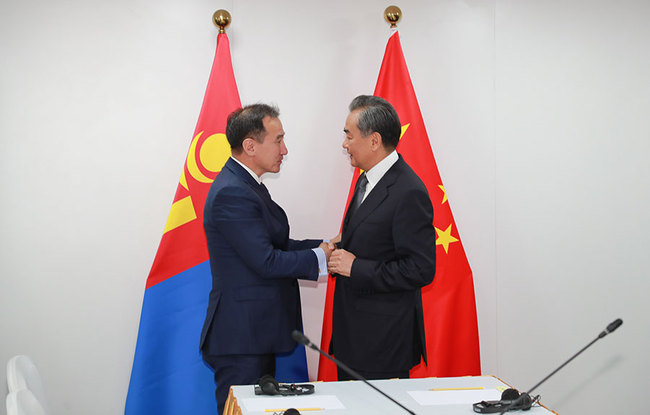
<point>328,248</point>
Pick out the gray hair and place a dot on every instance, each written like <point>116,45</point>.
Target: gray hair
<point>377,115</point>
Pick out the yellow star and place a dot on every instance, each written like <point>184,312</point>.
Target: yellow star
<point>445,238</point>
<point>444,194</point>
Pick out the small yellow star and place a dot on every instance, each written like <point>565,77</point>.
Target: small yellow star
<point>444,194</point>
<point>404,128</point>
<point>445,238</point>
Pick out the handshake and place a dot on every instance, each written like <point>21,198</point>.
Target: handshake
<point>339,261</point>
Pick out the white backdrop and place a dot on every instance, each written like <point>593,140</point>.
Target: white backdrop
<point>538,115</point>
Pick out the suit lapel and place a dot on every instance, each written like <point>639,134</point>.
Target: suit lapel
<point>375,198</point>
<point>274,208</point>
<point>241,173</point>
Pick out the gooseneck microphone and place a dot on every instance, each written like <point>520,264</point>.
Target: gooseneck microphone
<point>302,339</point>
<point>526,395</point>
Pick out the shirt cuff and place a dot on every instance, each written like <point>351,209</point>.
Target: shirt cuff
<point>322,261</point>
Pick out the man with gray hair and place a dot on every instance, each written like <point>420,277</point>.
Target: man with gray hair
<point>386,254</point>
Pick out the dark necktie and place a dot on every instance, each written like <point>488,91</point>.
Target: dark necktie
<point>359,191</point>
<point>275,209</point>
<point>264,190</point>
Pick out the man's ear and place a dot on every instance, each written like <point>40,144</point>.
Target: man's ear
<point>249,146</point>
<point>375,141</point>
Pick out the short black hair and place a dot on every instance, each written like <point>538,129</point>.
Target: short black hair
<point>378,115</point>
<point>248,122</point>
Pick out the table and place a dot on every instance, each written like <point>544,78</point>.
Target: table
<point>452,396</point>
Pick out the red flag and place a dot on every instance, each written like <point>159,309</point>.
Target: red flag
<point>183,244</point>
<point>449,306</point>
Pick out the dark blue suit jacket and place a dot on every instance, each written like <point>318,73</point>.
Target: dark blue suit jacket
<point>255,302</point>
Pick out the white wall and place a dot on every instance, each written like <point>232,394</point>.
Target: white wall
<point>572,191</point>
<point>537,114</point>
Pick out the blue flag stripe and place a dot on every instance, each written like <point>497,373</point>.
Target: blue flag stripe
<point>169,375</point>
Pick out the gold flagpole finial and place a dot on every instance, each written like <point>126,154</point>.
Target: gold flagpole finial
<point>392,14</point>
<point>221,18</point>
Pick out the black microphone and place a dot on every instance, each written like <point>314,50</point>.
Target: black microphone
<point>611,327</point>
<point>526,395</point>
<point>302,339</point>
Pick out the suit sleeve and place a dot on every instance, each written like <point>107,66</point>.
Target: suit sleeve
<point>237,217</point>
<point>413,263</point>
<point>295,245</point>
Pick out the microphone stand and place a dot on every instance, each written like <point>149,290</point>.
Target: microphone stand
<point>610,328</point>
<point>302,339</point>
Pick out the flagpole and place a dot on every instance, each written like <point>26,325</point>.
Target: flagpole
<point>221,18</point>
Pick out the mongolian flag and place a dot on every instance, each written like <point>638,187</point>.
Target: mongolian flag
<point>449,306</point>
<point>169,375</point>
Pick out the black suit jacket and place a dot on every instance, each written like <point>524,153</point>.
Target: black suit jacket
<point>255,302</point>
<point>378,324</point>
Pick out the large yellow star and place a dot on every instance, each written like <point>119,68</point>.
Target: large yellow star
<point>445,238</point>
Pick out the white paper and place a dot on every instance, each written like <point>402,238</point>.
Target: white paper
<point>281,403</point>
<point>454,397</point>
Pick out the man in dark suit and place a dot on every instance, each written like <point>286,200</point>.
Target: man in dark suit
<point>255,302</point>
<point>387,251</point>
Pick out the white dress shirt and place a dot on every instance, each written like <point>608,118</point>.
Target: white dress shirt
<point>375,174</point>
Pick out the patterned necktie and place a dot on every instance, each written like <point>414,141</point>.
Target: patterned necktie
<point>359,191</point>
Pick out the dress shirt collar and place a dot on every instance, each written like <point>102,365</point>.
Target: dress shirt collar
<point>375,174</point>
<point>251,172</point>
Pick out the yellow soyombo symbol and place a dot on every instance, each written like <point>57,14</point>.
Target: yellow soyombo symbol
<point>212,155</point>
<point>182,211</point>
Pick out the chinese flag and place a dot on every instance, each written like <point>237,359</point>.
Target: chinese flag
<point>449,306</point>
